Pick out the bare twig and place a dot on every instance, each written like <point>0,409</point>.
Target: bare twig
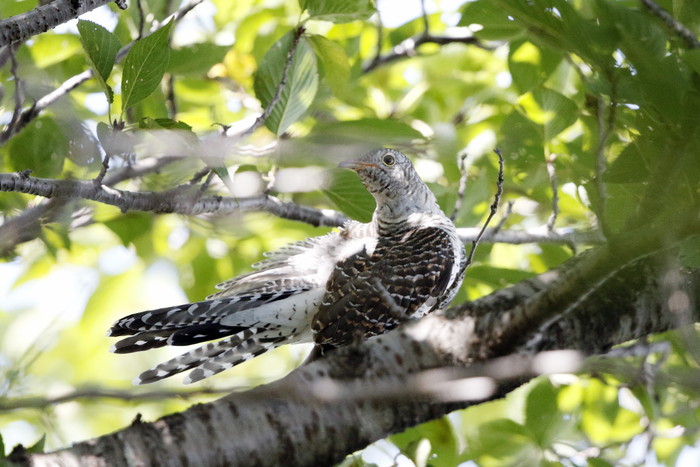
<point>409,48</point>
<point>177,200</point>
<point>551,171</point>
<point>19,90</point>
<point>604,130</point>
<point>142,19</point>
<point>463,177</point>
<point>539,235</point>
<point>494,207</point>
<point>507,212</point>
<point>103,170</point>
<point>260,121</point>
<point>7,404</point>
<point>672,23</point>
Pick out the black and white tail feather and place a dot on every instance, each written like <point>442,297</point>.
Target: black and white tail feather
<point>360,281</point>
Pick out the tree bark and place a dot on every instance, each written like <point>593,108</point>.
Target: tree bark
<point>42,18</point>
<point>334,406</point>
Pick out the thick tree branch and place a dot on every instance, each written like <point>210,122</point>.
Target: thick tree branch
<point>282,423</point>
<point>25,25</point>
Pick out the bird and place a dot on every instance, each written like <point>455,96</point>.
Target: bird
<point>353,283</point>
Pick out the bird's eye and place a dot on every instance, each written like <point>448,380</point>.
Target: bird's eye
<point>388,160</point>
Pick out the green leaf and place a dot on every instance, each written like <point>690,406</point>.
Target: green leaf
<point>338,11</point>
<point>334,62</point>
<point>368,132</point>
<point>102,47</point>
<point>497,25</point>
<point>542,416</point>
<point>144,66</point>
<point>2,448</point>
<point>41,147</point>
<point>503,440</point>
<point>196,59</point>
<point>347,192</point>
<point>690,252</point>
<point>628,167</point>
<point>529,65</point>
<point>441,441</point>
<point>301,85</point>
<point>52,49</point>
<point>37,447</point>
<point>131,226</point>
<point>551,109</point>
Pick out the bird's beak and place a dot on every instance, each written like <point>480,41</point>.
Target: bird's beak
<point>355,165</point>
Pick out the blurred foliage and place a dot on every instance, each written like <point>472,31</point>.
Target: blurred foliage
<point>566,83</point>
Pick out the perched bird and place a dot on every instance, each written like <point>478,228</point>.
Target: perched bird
<point>348,285</point>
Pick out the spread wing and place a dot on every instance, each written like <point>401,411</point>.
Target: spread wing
<point>369,294</point>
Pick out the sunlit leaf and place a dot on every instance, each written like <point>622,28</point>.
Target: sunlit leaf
<point>350,196</point>
<point>300,87</point>
<point>338,11</point>
<point>144,66</point>
<point>333,60</point>
<point>40,147</point>
<point>102,47</point>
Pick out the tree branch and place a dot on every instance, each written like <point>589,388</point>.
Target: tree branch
<point>672,23</point>
<point>180,201</point>
<point>409,48</point>
<point>42,18</point>
<point>281,423</point>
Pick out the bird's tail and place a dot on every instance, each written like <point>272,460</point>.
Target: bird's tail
<point>215,357</point>
<point>242,324</point>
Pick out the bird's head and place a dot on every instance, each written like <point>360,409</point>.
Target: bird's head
<point>390,177</point>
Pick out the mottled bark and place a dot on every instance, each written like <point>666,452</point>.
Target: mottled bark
<point>334,406</point>
<point>42,18</point>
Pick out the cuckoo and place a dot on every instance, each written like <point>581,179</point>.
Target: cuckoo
<point>333,290</point>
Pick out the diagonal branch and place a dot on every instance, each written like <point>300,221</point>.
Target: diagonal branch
<point>281,423</point>
<point>672,23</point>
<point>25,25</point>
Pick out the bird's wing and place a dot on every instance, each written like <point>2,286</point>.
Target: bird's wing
<point>369,294</point>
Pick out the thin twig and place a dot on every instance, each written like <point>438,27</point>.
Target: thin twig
<point>672,23</point>
<point>19,91</point>
<point>462,188</point>
<point>551,171</point>
<point>260,121</point>
<point>601,163</point>
<point>170,98</point>
<point>537,235</point>
<point>424,14</point>
<point>7,404</point>
<point>409,48</point>
<point>507,212</point>
<point>103,169</point>
<point>142,19</point>
<point>494,207</point>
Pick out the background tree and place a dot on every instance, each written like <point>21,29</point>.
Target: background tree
<point>144,165</point>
